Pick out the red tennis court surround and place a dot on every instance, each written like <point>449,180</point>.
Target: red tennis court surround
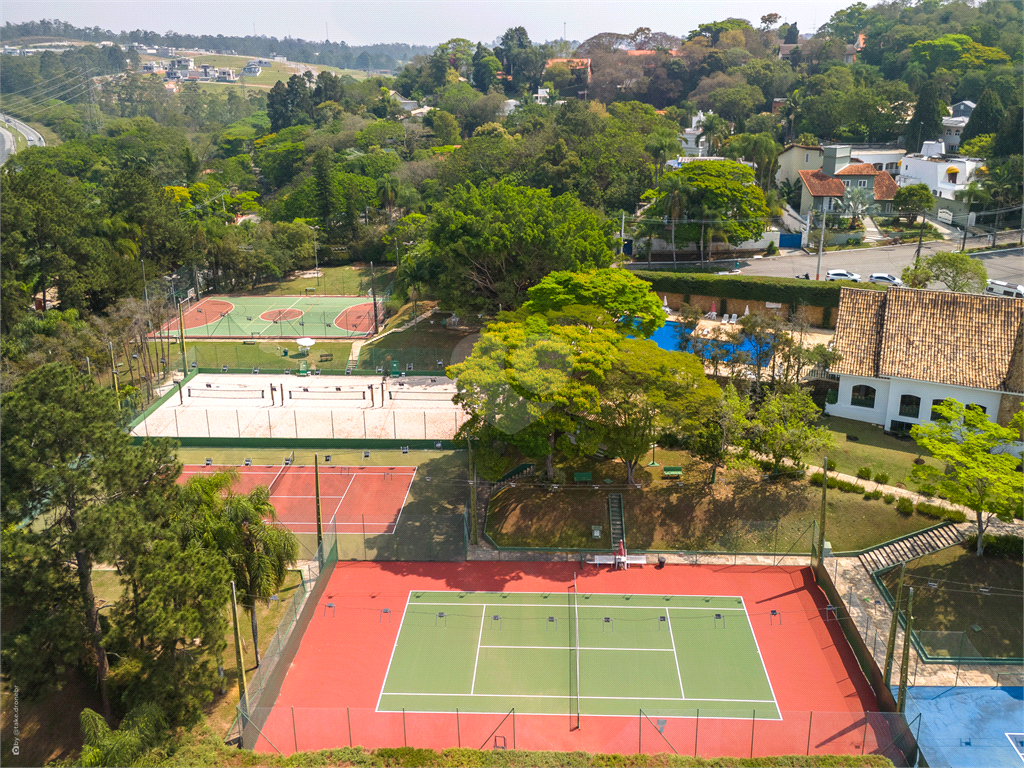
<point>205,312</point>
<point>357,318</point>
<point>277,315</point>
<point>355,499</point>
<point>329,697</point>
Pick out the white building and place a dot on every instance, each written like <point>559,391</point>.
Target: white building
<point>944,174</point>
<point>952,127</point>
<point>541,96</point>
<point>252,69</point>
<point>906,350</point>
<point>962,108</point>
<point>694,145</point>
<point>407,104</point>
<point>182,63</point>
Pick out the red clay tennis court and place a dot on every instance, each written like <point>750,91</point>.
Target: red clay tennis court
<point>319,317</point>
<point>352,499</point>
<point>332,693</point>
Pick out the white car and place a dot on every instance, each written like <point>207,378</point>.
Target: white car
<point>842,274</point>
<point>884,278</point>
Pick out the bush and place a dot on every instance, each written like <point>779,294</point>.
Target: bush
<point>831,465</point>
<point>931,510</point>
<point>1007,546</point>
<point>873,495</point>
<point>889,498</point>
<point>882,478</point>
<point>864,473</point>
<point>771,250</point>
<point>905,506</point>
<point>787,290</point>
<point>834,482</point>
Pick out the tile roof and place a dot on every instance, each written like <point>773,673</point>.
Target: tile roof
<point>885,186</point>
<point>959,339</point>
<point>820,184</point>
<point>858,169</point>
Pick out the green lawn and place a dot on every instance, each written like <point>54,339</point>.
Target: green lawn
<point>351,280</point>
<point>859,444</point>
<point>955,604</point>
<point>740,512</point>
<point>422,345</point>
<point>263,354</point>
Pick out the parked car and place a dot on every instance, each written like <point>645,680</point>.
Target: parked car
<point>842,274</point>
<point>884,278</point>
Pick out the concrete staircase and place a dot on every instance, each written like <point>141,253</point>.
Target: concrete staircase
<point>912,547</point>
<point>616,519</point>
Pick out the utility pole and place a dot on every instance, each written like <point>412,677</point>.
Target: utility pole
<point>920,239</point>
<point>821,241</point>
<point>373,298</point>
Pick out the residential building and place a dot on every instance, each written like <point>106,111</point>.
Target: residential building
<point>226,75</point>
<point>182,63</point>
<point>962,109</point>
<point>677,163</point>
<point>798,157</point>
<point>944,174</point>
<point>952,127</point>
<point>153,66</point>
<point>573,64</point>
<point>906,350</point>
<point>508,106</point>
<point>849,55</point>
<point>420,111</point>
<point>252,69</point>
<point>541,96</point>
<point>825,188</point>
<point>407,104</point>
<point>694,145</point>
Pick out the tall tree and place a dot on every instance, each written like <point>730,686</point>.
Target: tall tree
<point>67,464</point>
<point>926,124</point>
<point>977,470</point>
<point>985,117</point>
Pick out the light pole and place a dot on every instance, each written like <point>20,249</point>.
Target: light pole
<point>821,241</point>
<point>316,256</point>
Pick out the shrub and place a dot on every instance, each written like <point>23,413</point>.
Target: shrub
<point>831,465</point>
<point>873,495</point>
<point>889,498</point>
<point>771,250</point>
<point>1007,545</point>
<point>905,506</point>
<point>864,473</point>
<point>882,478</point>
<point>847,487</point>
<point>955,516</point>
<point>931,510</point>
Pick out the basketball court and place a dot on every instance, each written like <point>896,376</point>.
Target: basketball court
<point>318,317</point>
<point>707,660</point>
<point>352,499</point>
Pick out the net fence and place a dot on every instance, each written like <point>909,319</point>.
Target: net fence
<point>215,319</point>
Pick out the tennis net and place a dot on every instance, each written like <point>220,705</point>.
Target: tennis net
<point>227,394</point>
<point>413,395</point>
<point>329,393</point>
<point>284,466</point>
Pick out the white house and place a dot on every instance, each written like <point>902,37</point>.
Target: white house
<point>182,63</point>
<point>962,109</point>
<point>694,145</point>
<point>952,127</point>
<point>407,104</point>
<point>905,350</point>
<point>252,69</point>
<point>944,174</point>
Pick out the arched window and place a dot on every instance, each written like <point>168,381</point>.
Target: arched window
<point>935,414</point>
<point>910,405</point>
<point>976,407</point>
<point>862,395</point>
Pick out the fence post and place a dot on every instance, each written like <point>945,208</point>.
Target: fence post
<point>295,734</point>
<point>959,660</point>
<point>753,721</point>
<point>810,721</point>
<point>458,729</point>
<point>405,736</point>
<point>864,738</point>
<point>696,730</point>
<point>348,715</point>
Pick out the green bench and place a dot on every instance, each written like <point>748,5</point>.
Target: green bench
<point>327,357</point>
<point>672,472</point>
<point>583,477</point>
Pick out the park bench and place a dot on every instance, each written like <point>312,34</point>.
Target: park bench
<point>327,357</point>
<point>601,559</point>
<point>583,477</point>
<point>672,472</point>
<point>249,341</point>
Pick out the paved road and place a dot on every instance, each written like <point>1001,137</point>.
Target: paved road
<point>31,135</point>
<point>1006,264</point>
<point>6,145</point>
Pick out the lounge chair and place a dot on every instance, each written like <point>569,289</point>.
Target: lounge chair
<point>711,315</point>
<point>732,320</point>
<point>725,319</point>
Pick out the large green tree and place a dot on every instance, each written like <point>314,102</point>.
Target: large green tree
<point>978,469</point>
<point>985,117</point>
<point>926,123</point>
<point>69,469</point>
<point>489,245</point>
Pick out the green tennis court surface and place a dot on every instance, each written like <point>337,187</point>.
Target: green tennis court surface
<point>556,653</point>
<point>277,316</point>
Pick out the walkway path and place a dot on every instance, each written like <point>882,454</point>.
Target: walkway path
<point>872,234</point>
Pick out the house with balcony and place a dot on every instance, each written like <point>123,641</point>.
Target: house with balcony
<point>906,350</point>
<point>944,174</point>
<point>694,145</point>
<point>825,188</point>
<point>952,127</point>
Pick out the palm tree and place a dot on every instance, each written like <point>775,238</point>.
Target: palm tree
<point>971,193</point>
<point>791,112</point>
<point>415,275</point>
<point>387,193</point>
<point>660,145</point>
<point>857,203</point>
<point>1003,187</point>
<point>715,129</point>
<point>675,192</point>
<point>711,223</point>
<point>242,528</point>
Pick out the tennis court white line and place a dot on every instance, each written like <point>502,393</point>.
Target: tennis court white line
<point>759,656</point>
<point>675,655</point>
<point>562,696</point>
<point>483,615</point>
<point>406,499</point>
<point>342,499</point>
<point>394,647</point>
<point>549,605</point>
<point>582,648</point>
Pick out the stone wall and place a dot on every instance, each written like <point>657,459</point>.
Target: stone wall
<point>818,317</point>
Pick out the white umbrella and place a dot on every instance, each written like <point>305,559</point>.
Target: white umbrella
<point>746,311</point>
<point>305,341</point>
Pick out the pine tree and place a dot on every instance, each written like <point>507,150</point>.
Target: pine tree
<point>792,35</point>
<point>985,118</point>
<point>926,124</point>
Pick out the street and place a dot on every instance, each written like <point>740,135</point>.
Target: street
<point>32,136</point>
<point>6,145</point>
<point>1005,264</point>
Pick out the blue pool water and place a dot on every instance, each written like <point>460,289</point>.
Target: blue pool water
<point>667,337</point>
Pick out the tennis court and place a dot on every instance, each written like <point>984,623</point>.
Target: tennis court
<point>318,317</point>
<point>622,652</point>
<point>378,666</point>
<point>352,499</point>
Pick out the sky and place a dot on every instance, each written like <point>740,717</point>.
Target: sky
<point>418,22</point>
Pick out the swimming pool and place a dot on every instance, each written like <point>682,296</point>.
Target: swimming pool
<point>668,337</point>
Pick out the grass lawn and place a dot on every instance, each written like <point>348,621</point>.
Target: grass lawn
<point>859,444</point>
<point>262,354</point>
<point>739,512</point>
<point>956,604</point>
<point>422,345</point>
<point>351,280</point>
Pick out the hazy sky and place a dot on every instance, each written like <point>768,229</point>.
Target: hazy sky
<point>423,22</point>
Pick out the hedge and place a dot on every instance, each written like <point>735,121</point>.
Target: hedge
<point>782,290</point>
<point>940,513</point>
<point>833,482</point>
<point>409,757</point>
<point>1007,545</point>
